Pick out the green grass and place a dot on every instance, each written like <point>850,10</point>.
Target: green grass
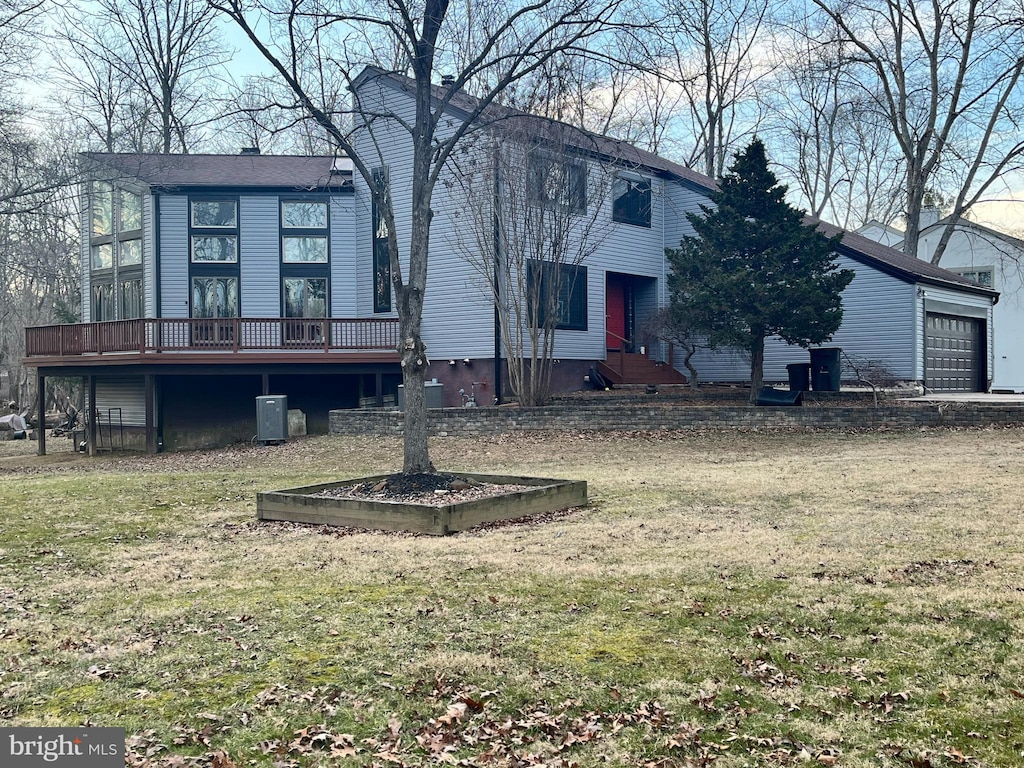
<point>727,599</point>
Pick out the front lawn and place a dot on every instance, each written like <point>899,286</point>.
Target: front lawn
<point>727,599</point>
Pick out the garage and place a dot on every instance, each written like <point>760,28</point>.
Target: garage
<point>954,353</point>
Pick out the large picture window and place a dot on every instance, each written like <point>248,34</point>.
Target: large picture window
<point>560,291</point>
<point>631,201</point>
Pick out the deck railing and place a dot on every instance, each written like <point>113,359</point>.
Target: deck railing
<point>236,334</point>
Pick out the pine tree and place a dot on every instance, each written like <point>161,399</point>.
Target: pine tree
<point>755,270</point>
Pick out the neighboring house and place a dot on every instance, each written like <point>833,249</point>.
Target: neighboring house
<point>210,280</point>
<point>990,258</point>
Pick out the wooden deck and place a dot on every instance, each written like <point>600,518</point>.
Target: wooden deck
<point>223,340</point>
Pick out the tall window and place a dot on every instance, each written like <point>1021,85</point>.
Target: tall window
<point>631,201</point>
<point>304,231</point>
<point>381,255</point>
<point>305,255</point>
<point>560,291</point>
<point>214,231</point>
<point>557,181</point>
<point>129,254</point>
<point>115,252</point>
<point>213,268</point>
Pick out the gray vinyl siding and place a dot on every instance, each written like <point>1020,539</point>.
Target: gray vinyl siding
<point>878,323</point>
<point>259,257</point>
<point>127,393</point>
<point>85,252</point>
<point>148,257</point>
<point>458,317</point>
<point>343,257</point>
<point>395,141</point>
<point>679,201</point>
<point>174,292</point>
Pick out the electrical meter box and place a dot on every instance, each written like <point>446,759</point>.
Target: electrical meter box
<point>272,418</point>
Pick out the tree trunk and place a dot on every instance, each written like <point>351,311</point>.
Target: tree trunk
<point>756,366</point>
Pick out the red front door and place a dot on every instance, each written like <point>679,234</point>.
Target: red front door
<point>615,310</point>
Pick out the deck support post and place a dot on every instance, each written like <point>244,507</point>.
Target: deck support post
<point>150,384</point>
<point>92,431</point>
<point>41,413</point>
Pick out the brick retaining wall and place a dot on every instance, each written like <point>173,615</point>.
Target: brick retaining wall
<point>653,417</point>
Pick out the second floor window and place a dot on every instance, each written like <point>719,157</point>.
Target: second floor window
<point>980,275</point>
<point>214,231</point>
<point>214,214</point>
<point>555,181</point>
<point>304,232</point>
<point>631,201</point>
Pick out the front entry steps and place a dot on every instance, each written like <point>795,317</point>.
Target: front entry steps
<point>634,368</point>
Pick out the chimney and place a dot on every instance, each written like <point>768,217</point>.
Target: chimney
<point>929,215</point>
<point>250,151</point>
<point>447,80</point>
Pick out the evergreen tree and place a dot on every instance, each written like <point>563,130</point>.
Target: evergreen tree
<point>755,270</point>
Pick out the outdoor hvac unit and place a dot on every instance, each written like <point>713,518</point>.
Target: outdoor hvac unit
<point>271,418</point>
<point>433,391</point>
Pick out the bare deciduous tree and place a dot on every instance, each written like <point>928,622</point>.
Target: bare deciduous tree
<point>163,57</point>
<point>300,39</point>
<point>533,214</point>
<point>828,140</point>
<point>945,78</point>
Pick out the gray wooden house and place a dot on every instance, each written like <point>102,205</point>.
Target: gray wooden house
<point>208,280</point>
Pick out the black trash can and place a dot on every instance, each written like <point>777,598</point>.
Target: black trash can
<point>799,376</point>
<point>825,369</point>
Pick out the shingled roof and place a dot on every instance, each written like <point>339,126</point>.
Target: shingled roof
<point>164,172</point>
<point>855,246</point>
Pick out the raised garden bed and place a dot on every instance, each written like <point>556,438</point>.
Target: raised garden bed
<point>304,505</point>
